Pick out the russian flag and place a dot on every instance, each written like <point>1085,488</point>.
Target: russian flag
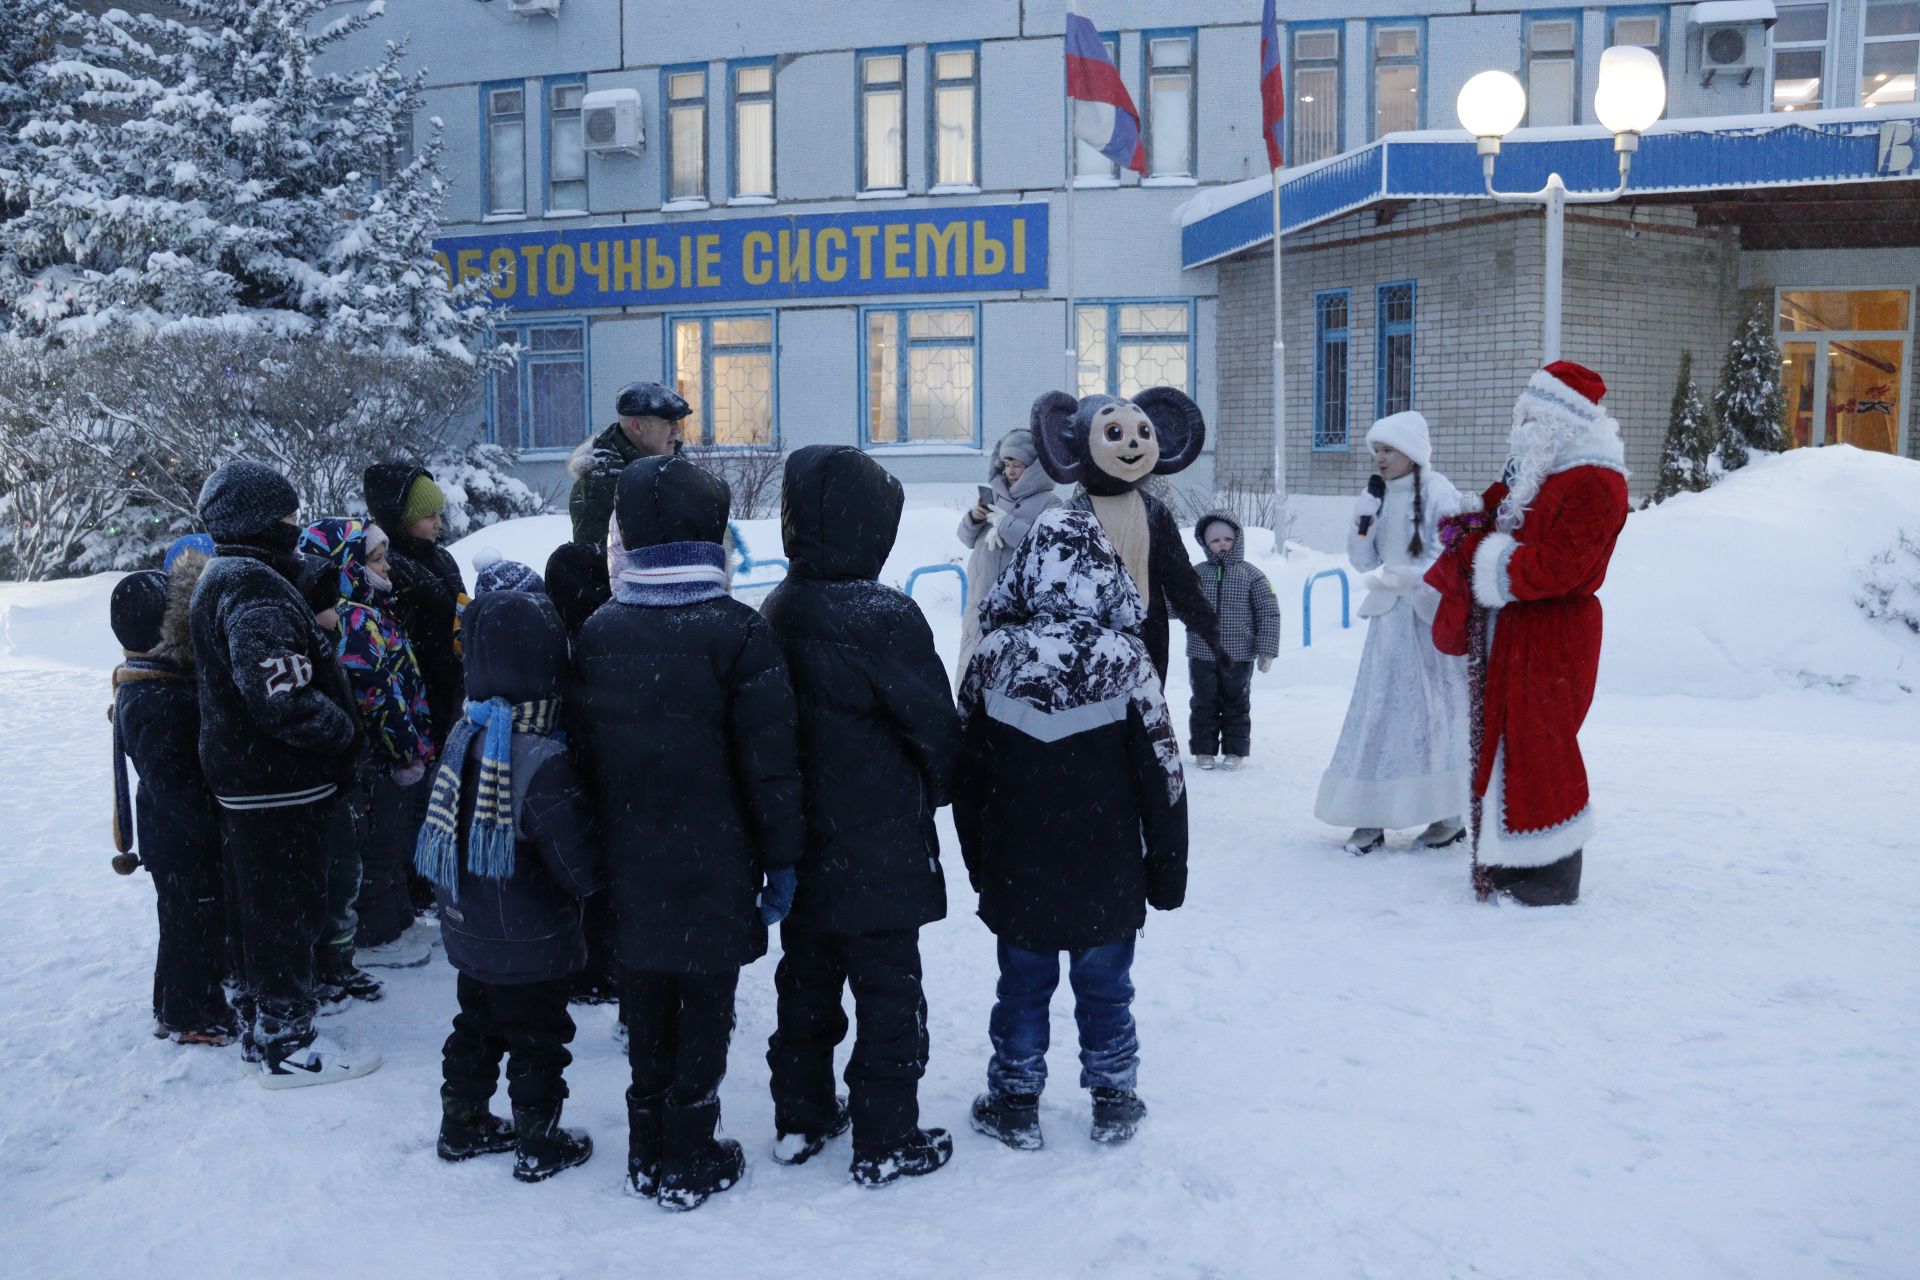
<point>1273,95</point>
<point>1103,114</point>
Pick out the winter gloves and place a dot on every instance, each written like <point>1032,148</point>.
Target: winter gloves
<point>776,899</point>
<point>994,541</point>
<point>1366,507</point>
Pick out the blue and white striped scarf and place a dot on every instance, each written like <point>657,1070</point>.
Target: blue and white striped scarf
<point>672,573</point>
<point>490,836</point>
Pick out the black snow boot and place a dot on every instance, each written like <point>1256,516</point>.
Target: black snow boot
<point>697,1165</point>
<point>336,979</point>
<point>646,1126</point>
<point>798,1148</point>
<point>1117,1114</point>
<point>545,1148</point>
<point>1555,885</point>
<point>1013,1118</point>
<point>919,1153</point>
<point>469,1129</point>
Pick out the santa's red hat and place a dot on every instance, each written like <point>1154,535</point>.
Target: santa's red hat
<point>1563,392</point>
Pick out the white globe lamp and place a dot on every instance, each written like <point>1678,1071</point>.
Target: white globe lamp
<point>1490,107</point>
<point>1632,93</point>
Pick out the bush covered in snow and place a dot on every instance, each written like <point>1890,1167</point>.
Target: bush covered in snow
<point>1750,401</point>
<point>1890,583</point>
<point>1686,460</point>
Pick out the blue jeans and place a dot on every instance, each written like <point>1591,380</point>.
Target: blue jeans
<point>1102,1006</point>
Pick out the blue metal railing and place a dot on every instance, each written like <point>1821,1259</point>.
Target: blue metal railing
<point>1306,603</point>
<point>747,563</point>
<point>925,569</point>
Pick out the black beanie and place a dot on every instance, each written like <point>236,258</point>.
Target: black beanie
<point>244,497</point>
<point>139,604</point>
<point>662,500</point>
<point>577,582</point>
<point>513,646</point>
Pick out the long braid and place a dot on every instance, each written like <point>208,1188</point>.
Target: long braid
<point>1415,547</point>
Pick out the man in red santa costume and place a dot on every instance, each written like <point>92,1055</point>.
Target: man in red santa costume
<point>1517,585</point>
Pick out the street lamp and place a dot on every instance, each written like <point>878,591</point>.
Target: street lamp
<point>1631,96</point>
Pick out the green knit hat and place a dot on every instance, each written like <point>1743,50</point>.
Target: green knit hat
<point>423,499</point>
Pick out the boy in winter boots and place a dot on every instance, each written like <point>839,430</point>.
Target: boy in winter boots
<point>1242,598</point>
<point>1061,699</point>
<point>684,721</point>
<point>156,724</point>
<point>878,737</point>
<point>510,848</point>
<point>277,742</point>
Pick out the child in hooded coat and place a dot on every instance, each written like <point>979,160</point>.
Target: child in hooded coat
<point>1222,679</point>
<point>684,723</point>
<point>1022,490</point>
<point>1061,699</point>
<point>156,725</point>
<point>511,848</point>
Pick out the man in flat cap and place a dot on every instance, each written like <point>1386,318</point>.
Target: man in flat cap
<point>649,427</point>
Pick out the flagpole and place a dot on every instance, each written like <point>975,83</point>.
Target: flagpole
<point>1279,388</point>
<point>1072,386</point>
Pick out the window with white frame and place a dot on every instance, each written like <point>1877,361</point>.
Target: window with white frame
<point>1553,71</point>
<point>1393,348</point>
<point>566,149</point>
<point>956,117</point>
<point>1636,31</point>
<point>883,122</point>
<point>1331,331</point>
<point>540,400</point>
<point>1126,347</point>
<point>1315,131</point>
<point>686,96</point>
<point>506,149</point>
<point>722,366</point>
<point>1090,164</point>
<point>1800,57</point>
<point>921,375</point>
<point>1396,78</point>
<point>753,130</point>
<point>1890,53</point>
<point>1170,120</point>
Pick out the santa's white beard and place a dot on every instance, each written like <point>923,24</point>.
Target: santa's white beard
<point>1532,450</point>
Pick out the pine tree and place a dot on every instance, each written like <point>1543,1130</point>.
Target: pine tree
<point>30,33</point>
<point>1750,400</point>
<point>1690,442</point>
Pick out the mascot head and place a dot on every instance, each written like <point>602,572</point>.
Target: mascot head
<point>1111,445</point>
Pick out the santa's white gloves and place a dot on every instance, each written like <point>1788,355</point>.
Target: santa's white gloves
<point>1265,665</point>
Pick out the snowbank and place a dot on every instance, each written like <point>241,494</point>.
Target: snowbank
<point>59,623</point>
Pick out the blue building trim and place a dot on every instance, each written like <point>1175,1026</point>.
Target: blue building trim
<point>1112,307</point>
<point>1383,331</point>
<point>527,360</point>
<point>1192,36</point>
<point>860,59</point>
<point>734,68</point>
<point>706,319</point>
<point>903,375</point>
<point>1326,334</point>
<point>487,90</point>
<point>547,86</point>
<point>934,83</point>
<point>1419,61</point>
<point>666,129</point>
<point>1339,27</point>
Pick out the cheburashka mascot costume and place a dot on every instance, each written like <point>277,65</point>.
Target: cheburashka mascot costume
<point>1110,446</point>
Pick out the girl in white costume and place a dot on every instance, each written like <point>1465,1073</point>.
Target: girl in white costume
<point>1402,758</point>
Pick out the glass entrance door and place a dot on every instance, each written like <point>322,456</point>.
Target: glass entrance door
<point>1843,361</point>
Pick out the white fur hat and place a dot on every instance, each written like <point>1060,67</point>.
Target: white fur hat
<point>1406,432</point>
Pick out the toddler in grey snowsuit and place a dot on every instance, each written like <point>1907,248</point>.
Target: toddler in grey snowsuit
<point>1221,710</point>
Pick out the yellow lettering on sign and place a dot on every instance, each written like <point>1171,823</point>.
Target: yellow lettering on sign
<point>629,257</point>
<point>795,260</point>
<point>469,260</point>
<point>659,266</point>
<point>560,270</point>
<point>830,254</point>
<point>865,235</point>
<point>1019,246</point>
<point>500,265</point>
<point>756,257</point>
<point>445,264</point>
<point>686,261</point>
<point>708,249</point>
<point>898,247</point>
<point>532,252</point>
<point>948,244</point>
<point>989,255</point>
<point>593,262</point>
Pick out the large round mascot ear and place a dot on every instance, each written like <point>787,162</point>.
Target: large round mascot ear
<point>1181,428</point>
<point>1062,451</point>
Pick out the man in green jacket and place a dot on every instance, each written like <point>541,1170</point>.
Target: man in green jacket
<point>649,426</point>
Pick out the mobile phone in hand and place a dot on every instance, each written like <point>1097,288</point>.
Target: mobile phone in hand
<point>986,494</point>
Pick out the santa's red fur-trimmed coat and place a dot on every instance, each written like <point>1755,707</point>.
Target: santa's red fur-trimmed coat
<point>1540,580</point>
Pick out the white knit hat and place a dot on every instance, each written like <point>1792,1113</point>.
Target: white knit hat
<point>1406,432</point>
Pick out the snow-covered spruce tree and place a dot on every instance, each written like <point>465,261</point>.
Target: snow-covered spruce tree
<point>1890,583</point>
<point>1690,439</point>
<point>32,32</point>
<point>1750,400</point>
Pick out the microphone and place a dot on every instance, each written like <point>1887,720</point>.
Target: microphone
<point>1378,488</point>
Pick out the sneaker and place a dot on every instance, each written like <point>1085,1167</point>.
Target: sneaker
<point>544,1147</point>
<point>323,1061</point>
<point>1365,840</point>
<point>1439,835</point>
<point>918,1154</point>
<point>410,950</point>
<point>1230,763</point>
<point>798,1148</point>
<point>1203,762</point>
<point>1012,1118</point>
<point>469,1129</point>
<point>1117,1114</point>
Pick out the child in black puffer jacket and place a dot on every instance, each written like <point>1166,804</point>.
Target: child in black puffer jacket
<point>510,847</point>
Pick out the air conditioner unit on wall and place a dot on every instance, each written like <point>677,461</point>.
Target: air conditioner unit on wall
<point>610,121</point>
<point>1733,36</point>
<point>534,8</point>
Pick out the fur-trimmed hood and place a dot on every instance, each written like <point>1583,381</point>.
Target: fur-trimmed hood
<point>580,461</point>
<point>176,632</point>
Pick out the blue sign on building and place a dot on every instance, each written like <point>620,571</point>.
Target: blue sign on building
<point>812,255</point>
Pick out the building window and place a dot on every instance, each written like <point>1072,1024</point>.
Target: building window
<point>686,95</point>
<point>1800,57</point>
<point>1553,70</point>
<point>1090,166</point>
<point>1315,81</point>
<point>566,150</point>
<point>1844,365</point>
<point>1396,76</point>
<point>1170,121</point>
<point>540,401</point>
<point>1393,348</point>
<point>753,129</point>
<point>882,125</point>
<point>722,366</point>
<point>956,116</point>
<point>506,146</point>
<point>921,375</point>
<point>1890,54</point>
<point>1126,347</point>
<point>1639,29</point>
<point>1330,332</point>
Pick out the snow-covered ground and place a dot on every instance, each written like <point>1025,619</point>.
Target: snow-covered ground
<point>1707,1068</point>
